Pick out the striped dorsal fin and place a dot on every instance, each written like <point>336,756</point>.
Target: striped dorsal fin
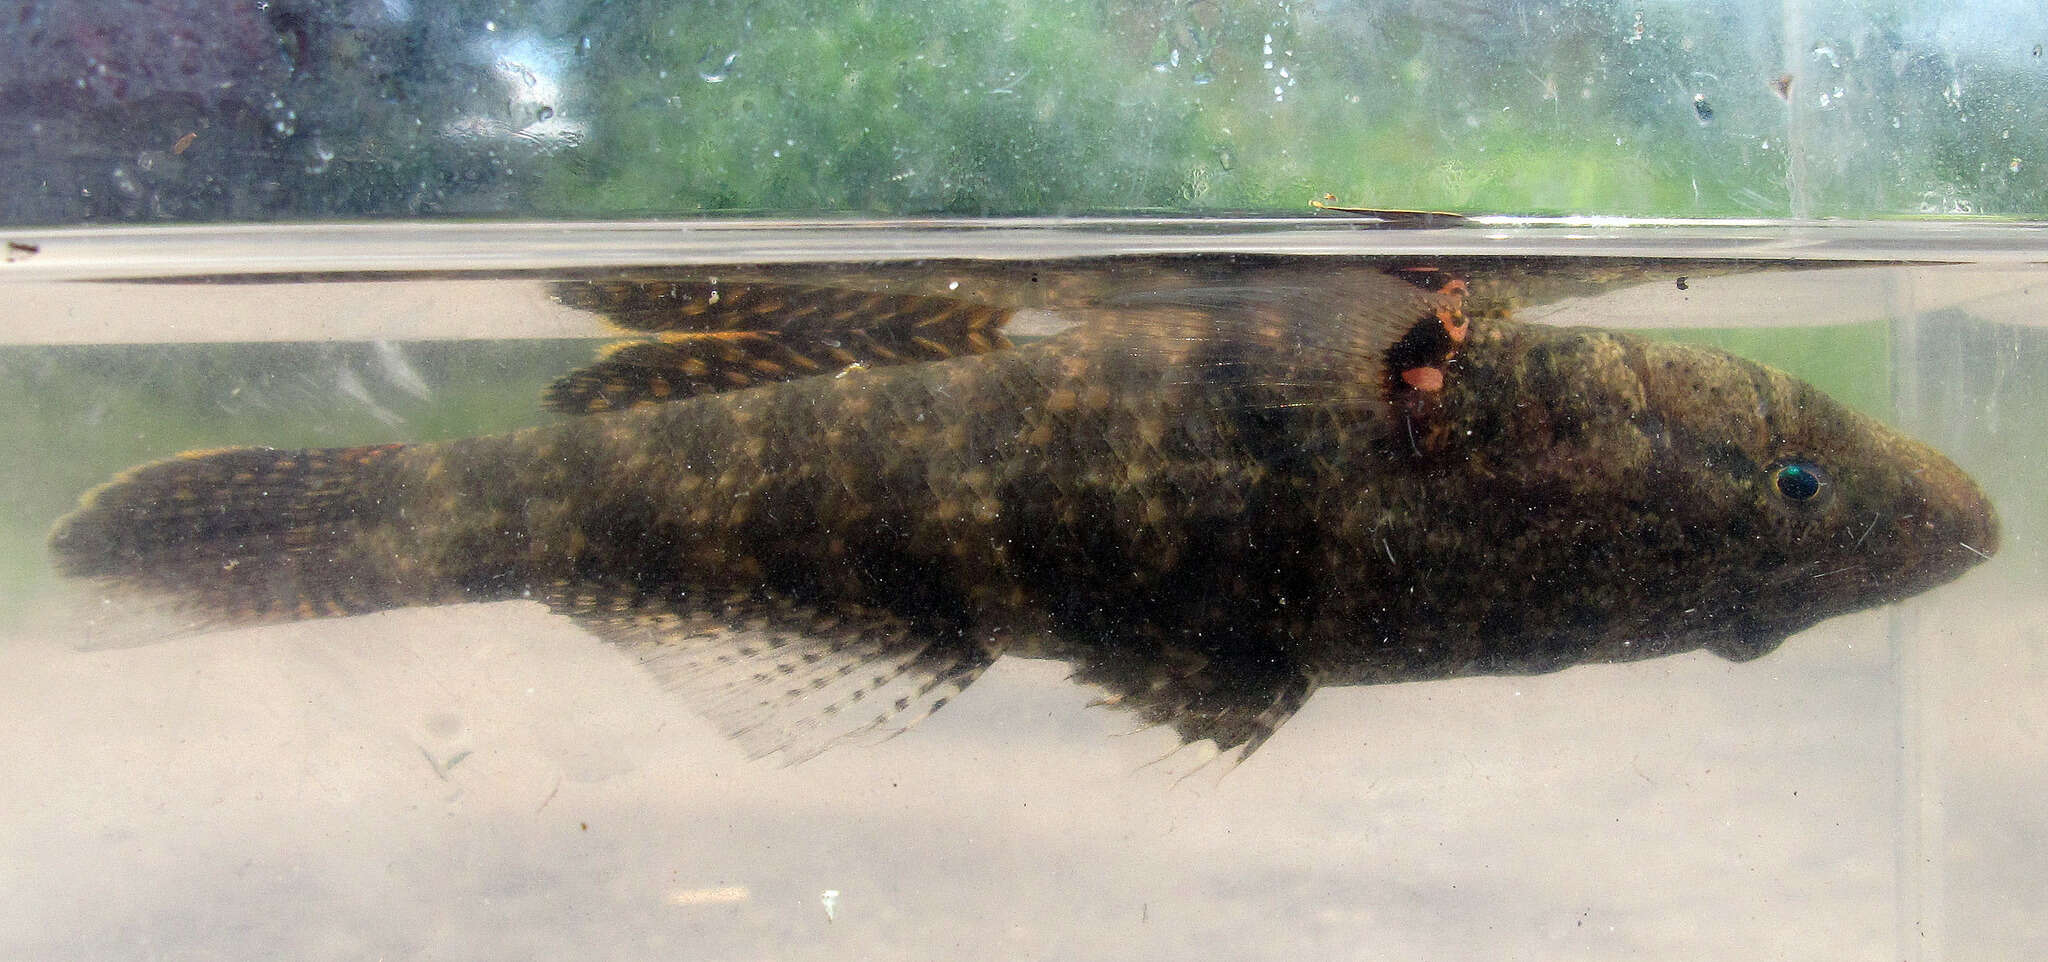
<point>704,337</point>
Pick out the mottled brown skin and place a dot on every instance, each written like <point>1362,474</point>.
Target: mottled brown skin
<point>1209,503</point>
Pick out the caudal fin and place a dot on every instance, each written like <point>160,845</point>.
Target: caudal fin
<point>243,534</point>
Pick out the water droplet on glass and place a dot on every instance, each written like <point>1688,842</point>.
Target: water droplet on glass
<point>490,26</point>
<point>318,158</point>
<point>2014,166</point>
<point>125,182</point>
<point>1703,110</point>
<point>545,112</point>
<point>712,73</point>
<point>586,45</point>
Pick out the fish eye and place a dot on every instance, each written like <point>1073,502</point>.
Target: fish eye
<point>1798,481</point>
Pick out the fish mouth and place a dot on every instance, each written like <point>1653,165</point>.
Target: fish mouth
<point>1955,529</point>
<point>1980,534</point>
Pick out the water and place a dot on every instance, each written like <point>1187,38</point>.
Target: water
<point>488,781</point>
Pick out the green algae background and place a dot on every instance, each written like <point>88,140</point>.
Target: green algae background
<point>305,109</point>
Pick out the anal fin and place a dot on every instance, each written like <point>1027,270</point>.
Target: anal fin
<point>779,676</point>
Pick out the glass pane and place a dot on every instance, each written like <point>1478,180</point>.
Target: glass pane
<point>501,241</point>
<point>296,109</point>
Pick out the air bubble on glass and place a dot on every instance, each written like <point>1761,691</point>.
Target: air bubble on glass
<point>713,74</point>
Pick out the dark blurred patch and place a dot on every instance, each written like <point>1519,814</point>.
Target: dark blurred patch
<point>159,110</point>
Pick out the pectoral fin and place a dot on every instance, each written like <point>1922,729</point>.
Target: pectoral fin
<point>1232,702</point>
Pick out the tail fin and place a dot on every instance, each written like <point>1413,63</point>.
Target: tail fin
<point>242,535</point>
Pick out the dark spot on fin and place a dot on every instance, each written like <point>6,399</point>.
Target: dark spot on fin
<point>1382,342</point>
<point>779,676</point>
<point>1420,364</point>
<point>719,337</point>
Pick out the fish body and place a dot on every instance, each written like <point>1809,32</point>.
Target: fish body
<point>1209,501</point>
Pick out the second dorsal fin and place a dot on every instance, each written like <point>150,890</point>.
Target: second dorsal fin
<point>709,337</point>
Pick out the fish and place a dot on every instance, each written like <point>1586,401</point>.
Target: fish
<point>820,512</point>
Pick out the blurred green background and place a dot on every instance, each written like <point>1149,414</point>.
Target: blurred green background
<point>303,109</point>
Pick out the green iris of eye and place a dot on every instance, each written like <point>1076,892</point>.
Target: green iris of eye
<point>1797,482</point>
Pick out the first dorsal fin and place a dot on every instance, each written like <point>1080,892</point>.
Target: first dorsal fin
<point>709,336</point>
<point>1386,342</point>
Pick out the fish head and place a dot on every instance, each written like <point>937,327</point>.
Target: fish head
<point>1788,506</point>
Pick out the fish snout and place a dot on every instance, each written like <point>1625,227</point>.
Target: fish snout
<point>1972,522</point>
<point>1956,528</point>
